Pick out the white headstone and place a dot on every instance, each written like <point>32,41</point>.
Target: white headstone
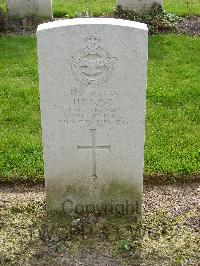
<point>93,76</point>
<point>21,8</point>
<point>139,6</point>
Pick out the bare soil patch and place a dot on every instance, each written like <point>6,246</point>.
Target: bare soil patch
<point>189,26</point>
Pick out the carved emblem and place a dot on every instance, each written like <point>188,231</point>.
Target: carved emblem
<point>92,65</point>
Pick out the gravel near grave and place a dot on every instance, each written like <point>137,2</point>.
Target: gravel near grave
<point>169,232</point>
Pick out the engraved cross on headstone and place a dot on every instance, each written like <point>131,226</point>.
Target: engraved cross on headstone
<point>93,148</point>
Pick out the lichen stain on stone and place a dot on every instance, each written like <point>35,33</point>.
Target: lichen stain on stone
<point>56,196</point>
<point>120,190</point>
<point>115,195</point>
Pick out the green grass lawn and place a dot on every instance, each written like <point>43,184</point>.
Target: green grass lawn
<point>183,7</point>
<point>72,8</point>
<point>173,96</point>
<point>20,149</point>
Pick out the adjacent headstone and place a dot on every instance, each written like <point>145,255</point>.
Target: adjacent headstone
<point>93,76</point>
<point>23,8</point>
<point>138,6</point>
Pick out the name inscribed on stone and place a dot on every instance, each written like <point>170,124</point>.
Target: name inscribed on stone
<point>93,103</point>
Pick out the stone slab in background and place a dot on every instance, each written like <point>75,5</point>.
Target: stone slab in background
<point>139,6</point>
<point>93,75</point>
<point>23,8</point>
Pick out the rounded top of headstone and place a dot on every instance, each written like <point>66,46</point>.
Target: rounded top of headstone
<point>92,21</point>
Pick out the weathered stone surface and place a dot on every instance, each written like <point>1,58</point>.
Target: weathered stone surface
<point>21,8</point>
<point>139,6</point>
<point>92,88</point>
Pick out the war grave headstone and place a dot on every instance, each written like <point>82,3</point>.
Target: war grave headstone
<point>23,8</point>
<point>93,74</point>
<point>139,6</point>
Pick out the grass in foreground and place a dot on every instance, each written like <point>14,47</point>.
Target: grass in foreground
<point>73,8</point>
<point>173,95</point>
<point>21,150</point>
<point>172,126</point>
